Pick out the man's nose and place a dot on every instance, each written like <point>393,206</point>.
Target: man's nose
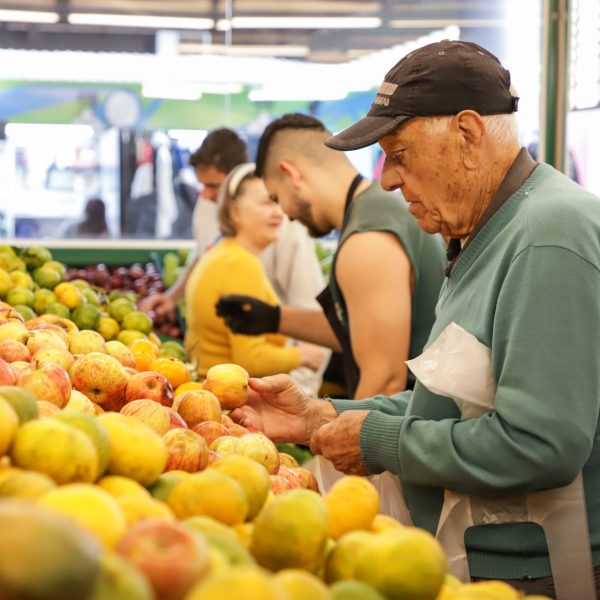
<point>390,178</point>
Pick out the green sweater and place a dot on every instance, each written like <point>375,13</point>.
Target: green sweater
<point>528,287</point>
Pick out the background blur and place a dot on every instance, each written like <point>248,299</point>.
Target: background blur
<point>92,92</point>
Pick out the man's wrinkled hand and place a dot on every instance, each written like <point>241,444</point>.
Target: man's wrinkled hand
<point>248,315</point>
<point>339,442</point>
<point>278,407</point>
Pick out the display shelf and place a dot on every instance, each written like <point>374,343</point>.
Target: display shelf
<point>83,252</point>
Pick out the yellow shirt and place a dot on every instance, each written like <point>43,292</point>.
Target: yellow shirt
<point>228,268</point>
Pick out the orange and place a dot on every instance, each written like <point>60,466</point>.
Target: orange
<point>188,387</point>
<point>173,369</point>
<point>144,352</point>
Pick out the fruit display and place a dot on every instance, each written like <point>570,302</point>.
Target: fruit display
<point>135,283</point>
<point>123,479</point>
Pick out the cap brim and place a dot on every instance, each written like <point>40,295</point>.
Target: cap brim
<point>365,132</point>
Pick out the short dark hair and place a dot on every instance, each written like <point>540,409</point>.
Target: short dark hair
<point>222,149</point>
<point>289,121</point>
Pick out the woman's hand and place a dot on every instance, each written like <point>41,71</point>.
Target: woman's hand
<point>279,408</point>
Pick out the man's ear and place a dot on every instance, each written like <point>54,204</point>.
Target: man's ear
<point>472,137</point>
<point>289,170</point>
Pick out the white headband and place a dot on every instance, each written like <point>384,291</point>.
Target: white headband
<point>240,173</point>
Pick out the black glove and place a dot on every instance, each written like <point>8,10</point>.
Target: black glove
<point>248,315</point>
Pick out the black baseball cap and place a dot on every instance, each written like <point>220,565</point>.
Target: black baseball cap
<point>442,78</point>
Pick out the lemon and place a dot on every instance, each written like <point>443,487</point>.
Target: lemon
<point>252,476</point>
<point>92,508</point>
<point>26,484</point>
<point>137,508</point>
<point>241,583</point>
<point>135,450</point>
<point>352,503</point>
<point>301,585</point>
<point>197,494</point>
<point>56,449</point>
<point>118,486</point>
<point>9,421</point>
<point>291,532</point>
<point>403,564</point>
<point>341,561</point>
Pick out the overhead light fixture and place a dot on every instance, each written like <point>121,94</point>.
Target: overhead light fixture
<point>287,94</point>
<point>28,16</point>
<point>437,23</point>
<point>244,50</point>
<point>172,90</point>
<point>146,21</point>
<point>299,23</point>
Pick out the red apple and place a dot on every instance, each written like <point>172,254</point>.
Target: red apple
<point>150,385</point>
<point>50,382</point>
<point>41,338</point>
<point>309,481</point>
<point>196,406</point>
<point>293,478</point>
<point>287,460</point>
<point>172,558</point>
<point>224,445</point>
<point>11,350</point>
<point>279,484</point>
<point>154,415</point>
<point>187,450</point>
<point>46,326</point>
<point>211,430</point>
<point>8,375</point>
<point>261,449</point>
<point>102,378</point>
<point>237,430</point>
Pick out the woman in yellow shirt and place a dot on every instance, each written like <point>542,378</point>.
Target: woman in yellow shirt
<point>249,221</point>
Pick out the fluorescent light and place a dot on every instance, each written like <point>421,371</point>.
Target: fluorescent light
<point>20,131</point>
<point>299,23</point>
<point>244,50</point>
<point>437,23</point>
<point>29,16</point>
<point>173,90</point>
<point>285,93</point>
<point>148,21</point>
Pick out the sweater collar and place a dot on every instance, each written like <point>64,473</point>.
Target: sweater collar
<point>515,177</point>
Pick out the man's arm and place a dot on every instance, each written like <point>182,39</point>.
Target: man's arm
<point>374,276</point>
<point>308,325</point>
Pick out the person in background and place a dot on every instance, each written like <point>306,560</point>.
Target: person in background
<point>386,275</point>
<point>290,262</point>
<point>93,224</point>
<point>249,221</point>
<point>497,447</point>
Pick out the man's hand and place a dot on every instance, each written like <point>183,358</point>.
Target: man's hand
<point>279,408</point>
<point>161,304</point>
<point>339,442</point>
<point>248,315</point>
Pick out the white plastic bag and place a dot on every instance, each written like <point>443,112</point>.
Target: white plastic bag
<point>391,500</point>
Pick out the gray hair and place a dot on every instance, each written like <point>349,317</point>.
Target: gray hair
<point>500,129</point>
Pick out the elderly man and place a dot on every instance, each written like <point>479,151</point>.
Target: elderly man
<point>497,446</point>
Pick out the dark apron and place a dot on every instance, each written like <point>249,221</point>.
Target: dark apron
<point>351,369</point>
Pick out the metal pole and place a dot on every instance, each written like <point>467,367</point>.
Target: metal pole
<point>556,36</point>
